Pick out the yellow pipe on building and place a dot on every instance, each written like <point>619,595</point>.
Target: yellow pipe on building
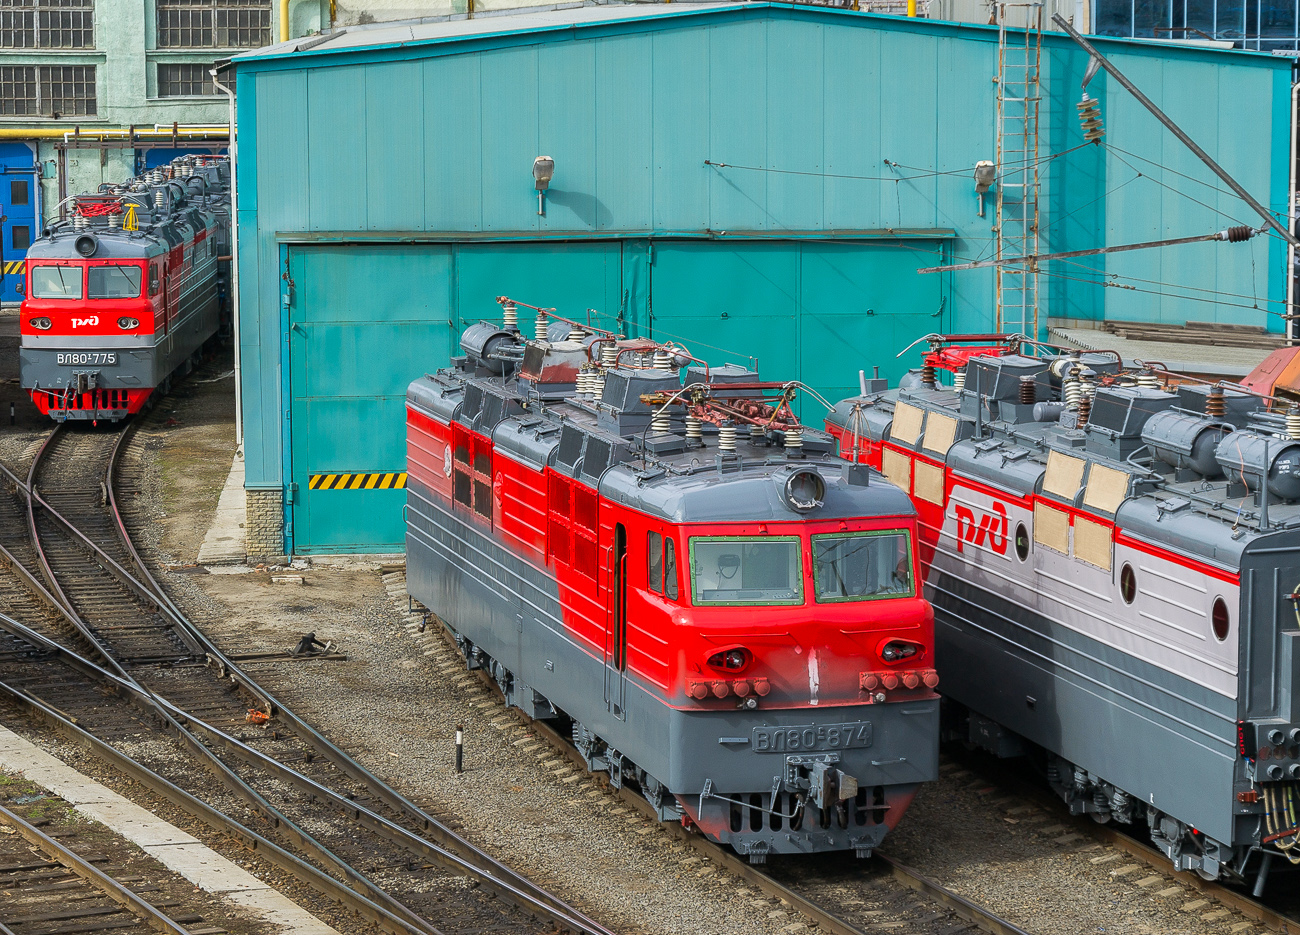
<point>284,20</point>
<point>46,133</point>
<point>911,7</point>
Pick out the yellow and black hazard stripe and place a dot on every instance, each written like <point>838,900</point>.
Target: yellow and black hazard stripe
<point>15,267</point>
<point>379,481</point>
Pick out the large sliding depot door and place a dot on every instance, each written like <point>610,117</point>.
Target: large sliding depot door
<point>817,312</point>
<point>366,320</point>
<point>363,322</point>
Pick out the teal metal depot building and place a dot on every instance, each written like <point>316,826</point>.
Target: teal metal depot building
<point>756,180</point>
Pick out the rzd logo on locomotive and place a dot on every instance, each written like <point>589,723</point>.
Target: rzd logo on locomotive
<point>92,321</point>
<point>991,526</point>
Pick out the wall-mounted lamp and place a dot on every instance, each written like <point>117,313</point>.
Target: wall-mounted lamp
<point>543,172</point>
<point>986,173</point>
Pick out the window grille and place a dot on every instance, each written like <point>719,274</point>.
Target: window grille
<point>200,24</point>
<point>184,80</point>
<point>48,91</point>
<point>47,24</point>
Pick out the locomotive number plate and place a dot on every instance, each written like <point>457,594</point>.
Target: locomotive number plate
<point>82,358</point>
<point>812,738</point>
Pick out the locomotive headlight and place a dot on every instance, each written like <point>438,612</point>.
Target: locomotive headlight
<point>126,324</point>
<point>44,324</point>
<point>735,659</point>
<point>898,650</point>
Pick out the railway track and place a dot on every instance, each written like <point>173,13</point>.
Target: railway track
<point>51,885</point>
<point>119,638</point>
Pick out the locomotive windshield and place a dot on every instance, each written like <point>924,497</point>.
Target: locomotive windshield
<point>746,570</point>
<point>862,566</point>
<point>56,282</point>
<point>113,282</point>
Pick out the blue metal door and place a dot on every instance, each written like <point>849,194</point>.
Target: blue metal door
<point>18,219</point>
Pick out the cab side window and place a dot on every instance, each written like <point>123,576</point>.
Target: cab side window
<point>655,562</point>
<point>670,569</point>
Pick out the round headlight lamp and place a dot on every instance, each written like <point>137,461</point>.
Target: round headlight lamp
<point>126,324</point>
<point>43,324</point>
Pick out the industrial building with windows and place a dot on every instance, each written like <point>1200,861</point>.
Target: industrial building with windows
<point>759,181</point>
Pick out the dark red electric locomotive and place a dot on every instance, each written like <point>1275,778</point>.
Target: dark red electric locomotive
<point>123,294</point>
<point>657,550</point>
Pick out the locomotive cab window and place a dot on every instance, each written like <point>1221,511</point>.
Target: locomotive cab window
<point>862,566</point>
<point>670,569</point>
<point>56,282</point>
<point>745,570</point>
<point>113,282</point>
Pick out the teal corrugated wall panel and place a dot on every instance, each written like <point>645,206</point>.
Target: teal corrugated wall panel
<point>738,126</point>
<point>394,137</point>
<point>679,121</point>
<point>566,122</point>
<point>453,144</point>
<point>280,124</point>
<point>851,132</point>
<point>794,127</point>
<point>510,92</point>
<point>336,136</point>
<point>624,145</point>
<point>903,138</point>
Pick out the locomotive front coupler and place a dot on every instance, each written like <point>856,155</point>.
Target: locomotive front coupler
<point>818,776</point>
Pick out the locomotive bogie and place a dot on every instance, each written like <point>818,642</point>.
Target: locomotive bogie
<point>748,639</point>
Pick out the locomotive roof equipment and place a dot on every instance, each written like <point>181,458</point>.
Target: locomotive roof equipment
<point>656,548</point>
<point>1113,555</point>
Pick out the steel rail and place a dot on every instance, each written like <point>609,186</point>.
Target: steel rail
<point>265,848</point>
<point>97,878</point>
<point>825,920</point>
<point>369,819</point>
<point>232,781</point>
<point>493,871</point>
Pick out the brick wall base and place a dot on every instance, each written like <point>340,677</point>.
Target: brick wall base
<point>264,523</point>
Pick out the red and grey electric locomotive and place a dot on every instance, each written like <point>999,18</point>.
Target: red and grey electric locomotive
<point>122,296</point>
<point>1113,556</point>
<point>657,550</point>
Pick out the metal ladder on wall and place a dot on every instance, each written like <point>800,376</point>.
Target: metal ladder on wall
<point>1020,53</point>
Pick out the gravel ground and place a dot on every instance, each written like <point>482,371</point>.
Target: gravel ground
<point>395,703</point>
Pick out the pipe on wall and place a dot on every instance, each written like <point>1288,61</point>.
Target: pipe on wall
<point>1291,219</point>
<point>234,256</point>
<point>284,20</point>
<point>149,136</point>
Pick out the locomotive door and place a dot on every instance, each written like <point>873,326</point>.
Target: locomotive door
<point>616,632</point>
